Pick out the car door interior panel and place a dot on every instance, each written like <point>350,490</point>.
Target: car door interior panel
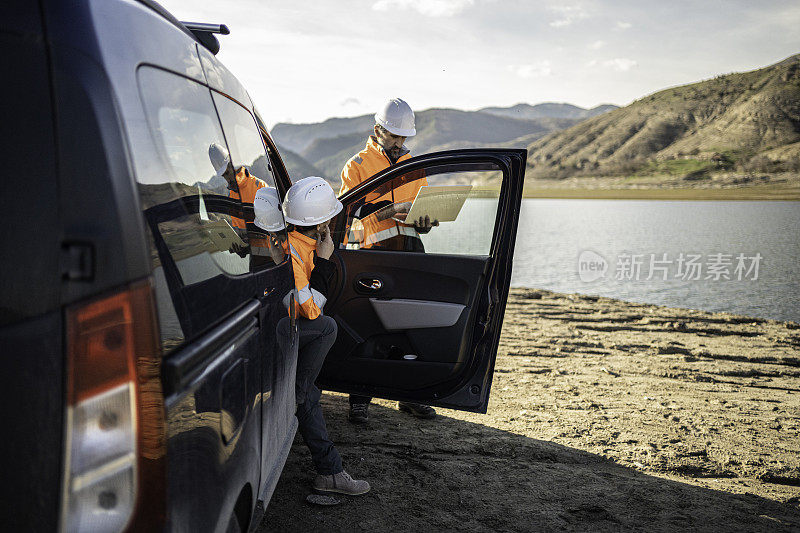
<point>371,350</point>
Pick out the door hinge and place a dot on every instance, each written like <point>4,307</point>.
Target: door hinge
<point>77,261</point>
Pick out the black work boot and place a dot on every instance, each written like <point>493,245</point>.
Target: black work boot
<point>417,409</point>
<point>359,413</point>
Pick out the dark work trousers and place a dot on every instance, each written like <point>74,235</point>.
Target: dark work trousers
<point>315,339</point>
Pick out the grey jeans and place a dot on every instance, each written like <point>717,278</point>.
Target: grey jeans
<point>315,339</point>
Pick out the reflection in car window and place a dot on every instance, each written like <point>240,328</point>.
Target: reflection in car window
<point>244,139</point>
<point>188,247</point>
<point>446,210</point>
<point>187,208</point>
<point>252,169</point>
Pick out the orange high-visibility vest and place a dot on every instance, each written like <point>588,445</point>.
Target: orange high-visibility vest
<point>308,302</point>
<point>248,186</point>
<point>365,164</point>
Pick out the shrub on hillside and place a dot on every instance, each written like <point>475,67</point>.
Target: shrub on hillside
<point>791,165</point>
<point>756,164</point>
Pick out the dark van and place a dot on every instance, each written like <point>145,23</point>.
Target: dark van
<point>142,382</point>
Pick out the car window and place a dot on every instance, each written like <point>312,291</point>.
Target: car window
<point>190,214</point>
<point>252,167</point>
<point>449,209</point>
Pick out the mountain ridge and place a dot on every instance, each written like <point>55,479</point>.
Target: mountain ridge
<point>549,110</point>
<point>745,123</point>
<point>721,123</point>
<point>326,146</point>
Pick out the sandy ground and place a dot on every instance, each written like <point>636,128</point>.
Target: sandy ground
<point>605,416</point>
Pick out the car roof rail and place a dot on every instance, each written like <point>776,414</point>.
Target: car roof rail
<point>204,33</point>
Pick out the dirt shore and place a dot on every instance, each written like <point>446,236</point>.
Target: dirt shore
<point>721,186</point>
<point>605,416</point>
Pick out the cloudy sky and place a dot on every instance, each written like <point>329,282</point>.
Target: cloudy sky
<point>308,61</point>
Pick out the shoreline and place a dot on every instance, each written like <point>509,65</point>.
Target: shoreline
<point>591,296</point>
<point>716,186</point>
<point>605,415</point>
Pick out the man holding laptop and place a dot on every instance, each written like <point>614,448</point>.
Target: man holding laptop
<point>386,226</point>
<point>383,217</point>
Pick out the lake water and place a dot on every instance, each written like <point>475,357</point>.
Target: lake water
<point>553,234</point>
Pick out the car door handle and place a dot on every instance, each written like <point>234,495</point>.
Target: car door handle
<point>370,284</point>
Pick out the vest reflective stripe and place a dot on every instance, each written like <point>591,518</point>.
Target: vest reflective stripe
<point>382,235</point>
<point>304,294</point>
<point>294,253</point>
<point>319,299</point>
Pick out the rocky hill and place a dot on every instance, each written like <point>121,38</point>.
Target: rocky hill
<point>549,110</point>
<point>747,121</point>
<point>297,137</point>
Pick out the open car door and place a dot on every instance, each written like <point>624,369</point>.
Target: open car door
<point>420,312</point>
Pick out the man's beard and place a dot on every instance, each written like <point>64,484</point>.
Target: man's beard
<point>394,151</point>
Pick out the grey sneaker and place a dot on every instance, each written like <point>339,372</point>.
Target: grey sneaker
<point>359,413</point>
<point>341,483</point>
<point>417,409</point>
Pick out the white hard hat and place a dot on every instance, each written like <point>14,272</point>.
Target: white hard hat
<point>267,206</point>
<point>397,117</point>
<point>310,201</point>
<point>219,158</point>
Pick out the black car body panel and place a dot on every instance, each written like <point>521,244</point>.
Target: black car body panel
<point>30,315</point>
<point>92,206</point>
